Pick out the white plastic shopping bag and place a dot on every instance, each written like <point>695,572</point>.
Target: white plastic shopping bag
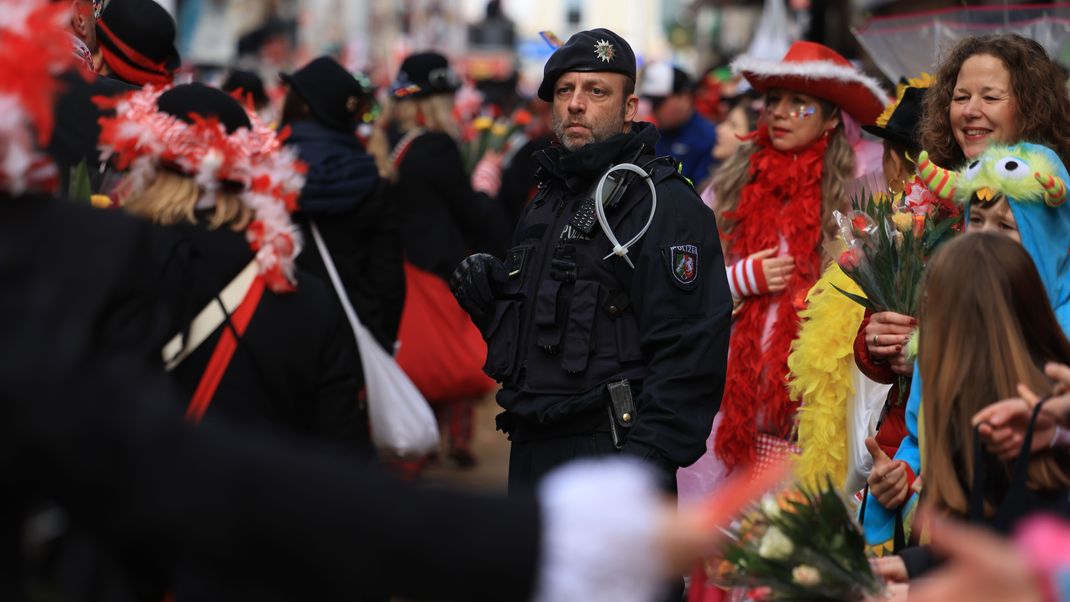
<point>402,422</point>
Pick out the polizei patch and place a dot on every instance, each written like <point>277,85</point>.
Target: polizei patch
<point>684,262</point>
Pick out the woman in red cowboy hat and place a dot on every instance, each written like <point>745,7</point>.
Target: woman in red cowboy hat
<point>774,204</point>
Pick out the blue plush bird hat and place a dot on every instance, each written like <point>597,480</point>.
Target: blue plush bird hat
<point>1034,181</point>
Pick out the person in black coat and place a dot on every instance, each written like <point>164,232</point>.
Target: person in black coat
<point>603,347</point>
<point>294,365</point>
<point>443,219</point>
<point>74,139</point>
<point>344,195</point>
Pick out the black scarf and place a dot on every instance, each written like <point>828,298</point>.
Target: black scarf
<point>593,159</point>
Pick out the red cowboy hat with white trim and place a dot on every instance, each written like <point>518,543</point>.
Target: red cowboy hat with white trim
<point>821,72</point>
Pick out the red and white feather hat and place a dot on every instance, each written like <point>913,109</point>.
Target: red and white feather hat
<point>821,72</point>
<point>141,139</point>
<point>35,47</point>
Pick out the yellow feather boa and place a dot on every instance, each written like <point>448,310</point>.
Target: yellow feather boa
<point>819,375</point>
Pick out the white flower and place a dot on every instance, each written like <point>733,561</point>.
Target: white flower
<point>805,575</point>
<point>775,545</point>
<point>770,506</point>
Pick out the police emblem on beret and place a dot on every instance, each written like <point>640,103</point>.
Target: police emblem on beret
<point>604,50</point>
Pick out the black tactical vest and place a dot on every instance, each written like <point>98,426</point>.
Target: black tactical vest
<point>565,324</point>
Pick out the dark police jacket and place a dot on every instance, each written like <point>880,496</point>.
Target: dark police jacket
<point>569,321</point>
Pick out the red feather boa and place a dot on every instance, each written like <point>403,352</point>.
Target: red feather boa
<point>782,200</point>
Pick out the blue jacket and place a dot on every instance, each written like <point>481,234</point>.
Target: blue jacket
<point>361,227</point>
<point>691,144</point>
<point>340,173</point>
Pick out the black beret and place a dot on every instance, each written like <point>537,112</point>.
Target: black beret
<point>594,50</point>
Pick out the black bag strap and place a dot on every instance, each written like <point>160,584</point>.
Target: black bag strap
<point>899,534</point>
<point>1016,491</point>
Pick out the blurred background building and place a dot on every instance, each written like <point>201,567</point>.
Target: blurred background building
<point>491,39</point>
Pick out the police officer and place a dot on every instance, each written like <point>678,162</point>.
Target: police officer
<point>601,347</point>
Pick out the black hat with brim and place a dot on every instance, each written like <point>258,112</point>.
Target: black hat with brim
<point>137,40</point>
<point>425,74</point>
<point>902,125</point>
<point>332,93</point>
<point>596,50</point>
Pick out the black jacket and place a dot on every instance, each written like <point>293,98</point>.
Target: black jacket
<point>295,368</point>
<point>443,219</point>
<point>570,321</point>
<point>91,427</point>
<point>77,130</point>
<point>360,225</point>
<point>518,177</point>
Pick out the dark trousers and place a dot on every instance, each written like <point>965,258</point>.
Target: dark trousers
<point>531,459</point>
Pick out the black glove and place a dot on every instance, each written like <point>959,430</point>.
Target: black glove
<point>474,285</point>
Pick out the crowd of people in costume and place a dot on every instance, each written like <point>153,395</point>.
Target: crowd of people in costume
<point>640,275</point>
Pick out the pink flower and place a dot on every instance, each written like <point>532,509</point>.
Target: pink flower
<point>861,224</point>
<point>919,198</point>
<point>850,259</point>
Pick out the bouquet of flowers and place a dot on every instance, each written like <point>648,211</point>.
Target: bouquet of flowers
<point>800,545</point>
<point>888,241</point>
<point>486,133</point>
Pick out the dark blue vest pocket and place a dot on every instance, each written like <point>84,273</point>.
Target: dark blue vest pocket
<point>503,341</point>
<point>547,325</point>
<point>577,344</point>
<point>516,269</point>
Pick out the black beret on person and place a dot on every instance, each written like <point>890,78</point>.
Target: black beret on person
<point>594,50</point>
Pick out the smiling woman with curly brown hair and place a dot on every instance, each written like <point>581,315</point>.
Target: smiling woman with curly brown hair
<point>998,88</point>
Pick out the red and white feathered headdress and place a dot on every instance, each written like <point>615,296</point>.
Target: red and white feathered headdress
<point>35,47</point>
<point>141,139</point>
